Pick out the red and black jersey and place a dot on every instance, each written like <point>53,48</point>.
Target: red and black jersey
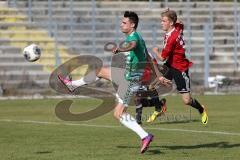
<point>174,51</point>
<point>148,70</point>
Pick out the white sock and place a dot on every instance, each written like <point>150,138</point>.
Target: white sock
<point>128,121</point>
<point>81,82</point>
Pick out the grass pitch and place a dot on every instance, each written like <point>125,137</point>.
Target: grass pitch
<point>30,130</point>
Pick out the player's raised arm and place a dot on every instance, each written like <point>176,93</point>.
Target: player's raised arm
<point>131,45</point>
<point>160,79</point>
<point>158,53</point>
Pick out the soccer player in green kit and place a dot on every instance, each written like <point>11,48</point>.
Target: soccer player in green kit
<point>136,58</point>
<point>127,79</point>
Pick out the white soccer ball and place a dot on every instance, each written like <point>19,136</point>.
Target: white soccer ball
<point>32,52</point>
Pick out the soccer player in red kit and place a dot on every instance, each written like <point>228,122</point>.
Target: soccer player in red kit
<point>148,96</point>
<point>173,53</point>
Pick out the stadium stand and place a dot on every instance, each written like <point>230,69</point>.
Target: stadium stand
<point>63,32</point>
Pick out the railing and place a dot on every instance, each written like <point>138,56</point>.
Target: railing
<point>53,28</point>
<point>206,56</point>
<point>236,34</point>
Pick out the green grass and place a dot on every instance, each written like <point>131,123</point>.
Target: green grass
<point>22,140</point>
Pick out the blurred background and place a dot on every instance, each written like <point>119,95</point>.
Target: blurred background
<point>64,29</point>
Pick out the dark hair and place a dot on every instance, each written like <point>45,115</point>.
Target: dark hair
<point>172,15</point>
<point>133,17</point>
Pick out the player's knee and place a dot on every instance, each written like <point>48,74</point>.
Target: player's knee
<point>117,114</point>
<point>187,101</point>
<point>119,110</point>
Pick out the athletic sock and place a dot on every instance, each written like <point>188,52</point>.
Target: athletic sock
<point>157,103</point>
<point>197,105</point>
<point>82,82</point>
<point>128,121</point>
<point>139,114</point>
<point>87,79</point>
<point>145,102</point>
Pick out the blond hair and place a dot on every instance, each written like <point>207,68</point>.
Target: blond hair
<point>170,14</point>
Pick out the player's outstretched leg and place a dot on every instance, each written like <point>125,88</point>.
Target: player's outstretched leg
<point>72,85</point>
<point>128,121</point>
<point>202,110</point>
<point>146,142</point>
<point>188,100</point>
<point>91,77</point>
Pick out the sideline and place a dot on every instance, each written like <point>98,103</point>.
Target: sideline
<point>112,126</point>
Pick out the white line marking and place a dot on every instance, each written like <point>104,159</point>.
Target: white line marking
<point>112,126</point>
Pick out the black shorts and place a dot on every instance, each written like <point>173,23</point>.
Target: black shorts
<point>182,79</point>
<point>143,95</point>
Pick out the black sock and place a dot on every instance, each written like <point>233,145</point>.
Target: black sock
<point>145,102</point>
<point>157,103</point>
<point>197,105</point>
<point>139,115</point>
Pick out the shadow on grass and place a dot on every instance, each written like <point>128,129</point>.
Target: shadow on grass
<point>207,145</point>
<point>156,149</point>
<point>149,151</point>
<point>176,122</point>
<point>44,152</point>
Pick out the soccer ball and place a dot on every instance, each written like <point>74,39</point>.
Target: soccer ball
<point>32,52</point>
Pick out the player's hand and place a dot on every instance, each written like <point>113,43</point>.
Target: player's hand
<point>165,81</point>
<point>155,50</point>
<point>158,54</point>
<point>160,81</point>
<point>115,50</point>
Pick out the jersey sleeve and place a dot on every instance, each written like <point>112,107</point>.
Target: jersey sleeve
<point>179,26</point>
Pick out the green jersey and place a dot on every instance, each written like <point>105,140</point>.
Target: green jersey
<point>136,58</point>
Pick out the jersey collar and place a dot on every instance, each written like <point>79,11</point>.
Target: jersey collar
<point>169,33</point>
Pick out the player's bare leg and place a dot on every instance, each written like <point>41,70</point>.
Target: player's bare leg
<point>105,73</point>
<point>188,100</point>
<point>92,76</point>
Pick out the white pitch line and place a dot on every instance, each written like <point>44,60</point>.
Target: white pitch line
<point>112,126</point>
